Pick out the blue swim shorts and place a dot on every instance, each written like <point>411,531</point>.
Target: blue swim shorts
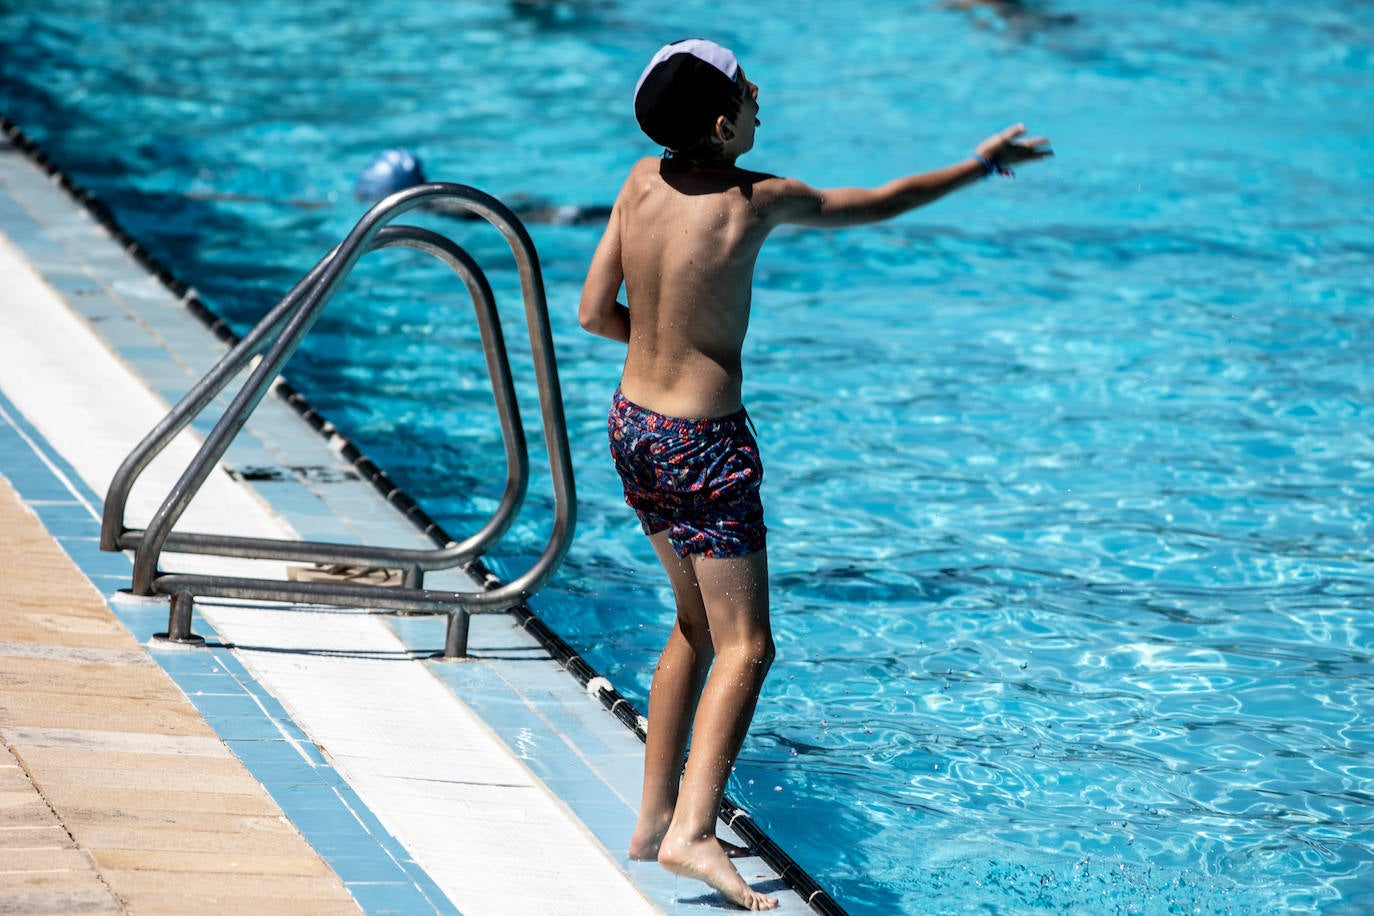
<point>698,479</point>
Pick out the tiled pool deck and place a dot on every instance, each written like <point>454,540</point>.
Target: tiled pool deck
<point>307,759</point>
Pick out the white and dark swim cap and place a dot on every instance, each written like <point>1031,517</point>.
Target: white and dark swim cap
<point>686,86</point>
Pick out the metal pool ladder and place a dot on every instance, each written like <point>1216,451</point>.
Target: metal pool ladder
<point>274,339</point>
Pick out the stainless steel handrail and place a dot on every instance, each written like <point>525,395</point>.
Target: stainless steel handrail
<point>198,398</point>
<point>291,320</point>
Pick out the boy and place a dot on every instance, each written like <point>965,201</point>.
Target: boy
<point>683,238</point>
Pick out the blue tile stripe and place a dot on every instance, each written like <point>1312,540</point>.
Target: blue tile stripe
<point>372,864</point>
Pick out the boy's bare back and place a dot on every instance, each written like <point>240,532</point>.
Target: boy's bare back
<point>684,241</point>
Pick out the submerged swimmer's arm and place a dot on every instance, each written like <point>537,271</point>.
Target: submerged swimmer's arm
<point>600,311</point>
<point>796,202</point>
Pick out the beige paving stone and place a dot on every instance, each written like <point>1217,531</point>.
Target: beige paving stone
<point>54,904</point>
<point>146,776</point>
<point>134,783</point>
<point>130,883</point>
<point>213,863</point>
<point>151,780</point>
<point>34,836</point>
<point>83,804</point>
<point>17,796</point>
<point>145,819</point>
<point>78,654</point>
<point>153,748</point>
<point>45,599</point>
<point>21,805</point>
<point>65,623</point>
<point>63,710</point>
<point>249,838</point>
<point>40,860</point>
<point>125,682</point>
<point>220,904</point>
<point>30,810</point>
<point>37,882</point>
<point>13,778</point>
<point>74,628</point>
<point>174,766</point>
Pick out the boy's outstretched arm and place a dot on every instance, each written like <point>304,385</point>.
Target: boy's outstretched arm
<point>836,207</point>
<point>600,311</point>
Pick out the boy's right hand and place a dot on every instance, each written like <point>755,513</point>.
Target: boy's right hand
<point>1005,149</point>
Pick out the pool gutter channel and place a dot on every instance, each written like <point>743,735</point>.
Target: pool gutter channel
<point>734,816</point>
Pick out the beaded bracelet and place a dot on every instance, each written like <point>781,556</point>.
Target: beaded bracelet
<point>990,166</point>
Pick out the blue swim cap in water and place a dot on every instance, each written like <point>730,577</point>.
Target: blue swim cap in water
<point>393,170</point>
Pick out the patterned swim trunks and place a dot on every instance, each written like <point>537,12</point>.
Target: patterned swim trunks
<point>698,479</point>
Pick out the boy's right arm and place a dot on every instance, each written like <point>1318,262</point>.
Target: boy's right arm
<point>796,202</point>
<point>600,311</point>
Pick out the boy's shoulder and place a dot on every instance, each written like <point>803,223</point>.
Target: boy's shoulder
<point>655,183</point>
<point>653,171</point>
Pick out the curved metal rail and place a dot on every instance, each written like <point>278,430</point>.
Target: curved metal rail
<point>275,339</point>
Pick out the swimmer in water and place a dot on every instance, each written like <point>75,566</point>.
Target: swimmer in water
<point>397,169</point>
<point>682,240</point>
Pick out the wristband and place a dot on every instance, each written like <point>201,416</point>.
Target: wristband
<point>990,166</point>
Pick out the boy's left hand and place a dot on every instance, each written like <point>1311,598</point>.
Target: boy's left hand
<point>1005,148</point>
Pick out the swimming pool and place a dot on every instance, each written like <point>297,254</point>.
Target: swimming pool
<point>1068,477</point>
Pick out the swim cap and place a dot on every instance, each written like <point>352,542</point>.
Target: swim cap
<point>393,170</point>
<point>686,86</point>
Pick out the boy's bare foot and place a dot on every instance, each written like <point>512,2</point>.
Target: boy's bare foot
<point>650,829</point>
<point>644,848</point>
<point>707,861</point>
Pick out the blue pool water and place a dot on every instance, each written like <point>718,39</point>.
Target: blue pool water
<point>1069,477</point>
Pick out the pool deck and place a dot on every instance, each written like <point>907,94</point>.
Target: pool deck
<point>306,759</point>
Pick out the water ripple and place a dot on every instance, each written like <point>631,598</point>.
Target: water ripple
<point>1068,478</point>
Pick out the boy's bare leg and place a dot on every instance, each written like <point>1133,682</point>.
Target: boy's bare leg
<point>735,594</point>
<point>677,684</point>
